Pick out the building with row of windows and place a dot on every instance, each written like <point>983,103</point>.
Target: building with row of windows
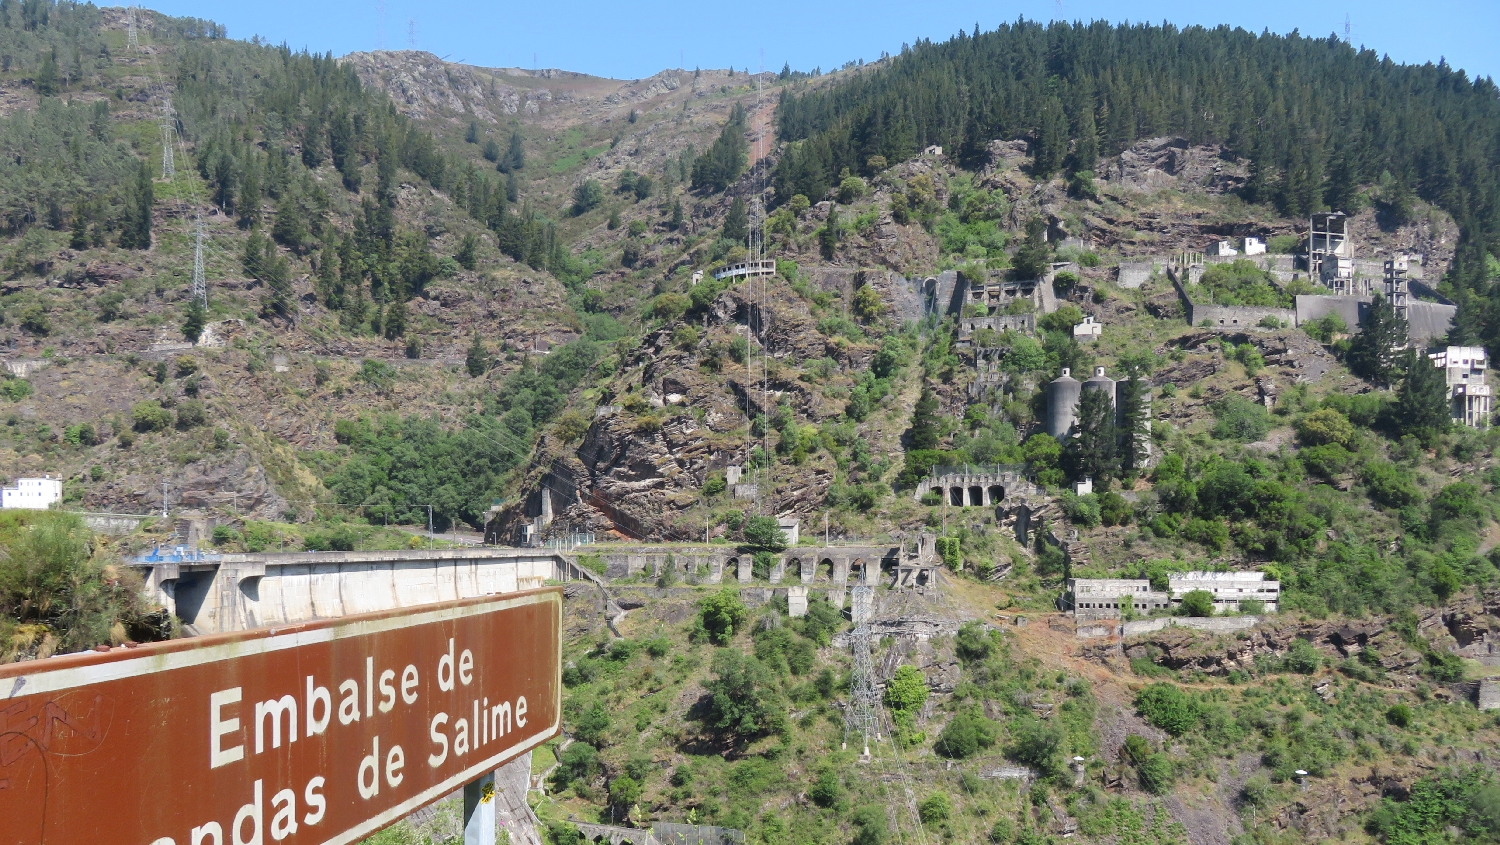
<point>1106,598</point>
<point>32,493</point>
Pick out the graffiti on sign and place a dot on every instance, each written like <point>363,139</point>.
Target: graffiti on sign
<point>316,733</point>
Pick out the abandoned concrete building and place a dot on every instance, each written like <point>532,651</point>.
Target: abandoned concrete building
<point>1469,396</point>
<point>1330,253</point>
<point>1101,598</point>
<point>1227,588</point>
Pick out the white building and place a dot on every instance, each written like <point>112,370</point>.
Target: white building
<point>1101,597</point>
<point>1228,588</point>
<point>1255,246</point>
<point>36,494</point>
<point>1469,396</point>
<point>1088,328</point>
<point>1222,248</point>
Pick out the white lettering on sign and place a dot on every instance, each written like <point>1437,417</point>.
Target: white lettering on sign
<point>218,728</point>
<point>274,710</point>
<point>462,727</point>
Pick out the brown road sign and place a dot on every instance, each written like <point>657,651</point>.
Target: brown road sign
<point>317,733</point>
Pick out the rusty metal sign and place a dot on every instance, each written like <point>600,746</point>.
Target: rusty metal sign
<point>317,733</point>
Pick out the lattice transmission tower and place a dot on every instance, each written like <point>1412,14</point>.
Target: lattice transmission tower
<point>200,284</point>
<point>168,140</point>
<point>132,39</point>
<point>863,716</point>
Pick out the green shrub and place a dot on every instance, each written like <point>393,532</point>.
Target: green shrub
<point>1327,461</point>
<point>744,699</point>
<point>191,414</point>
<point>1197,603</point>
<point>1169,708</point>
<point>935,808</point>
<point>150,416</point>
<point>721,614</point>
<point>1389,484</point>
<point>1156,773</point>
<point>964,735</point>
<point>1038,744</point>
<point>827,792</point>
<point>15,389</point>
<point>1399,715</point>
<point>1240,419</point>
<point>907,690</point>
<point>869,826</point>
<point>1302,658</point>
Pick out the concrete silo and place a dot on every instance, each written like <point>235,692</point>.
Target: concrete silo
<point>1062,404</point>
<point>1102,383</point>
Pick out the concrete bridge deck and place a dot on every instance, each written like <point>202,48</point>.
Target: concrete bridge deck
<point>237,592</point>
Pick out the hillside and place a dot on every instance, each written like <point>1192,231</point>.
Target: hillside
<point>436,288</point>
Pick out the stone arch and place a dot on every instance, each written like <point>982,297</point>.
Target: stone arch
<point>976,496</point>
<point>824,569</point>
<point>997,494</point>
<point>956,496</point>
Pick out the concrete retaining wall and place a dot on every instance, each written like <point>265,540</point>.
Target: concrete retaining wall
<point>113,523</point>
<point>1489,694</point>
<point>1218,624</point>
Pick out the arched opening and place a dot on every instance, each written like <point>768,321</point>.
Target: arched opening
<point>956,497</point>
<point>976,496</point>
<point>997,494</point>
<point>824,571</point>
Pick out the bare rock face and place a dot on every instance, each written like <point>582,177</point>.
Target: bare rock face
<point>424,86</point>
<point>1157,163</point>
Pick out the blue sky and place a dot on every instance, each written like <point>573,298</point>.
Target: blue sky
<point>634,38</point>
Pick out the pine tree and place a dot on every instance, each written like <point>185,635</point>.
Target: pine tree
<point>723,162</point>
<point>1135,437</point>
<point>828,236</point>
<point>1093,451</point>
<point>512,186</point>
<point>515,155</point>
<point>1086,154</point>
<point>194,319</point>
<point>492,152</point>
<point>471,135</point>
<point>1051,139</point>
<point>677,216</point>
<point>736,222</point>
<point>135,233</point>
<point>79,239</point>
<point>327,284</point>
<point>47,83</point>
<point>1033,257</point>
<point>395,320</point>
<point>477,361</point>
<point>923,433</point>
<point>1375,351</point>
<point>1422,400</point>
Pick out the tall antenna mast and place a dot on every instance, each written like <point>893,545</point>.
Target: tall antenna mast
<point>200,284</point>
<point>132,40</point>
